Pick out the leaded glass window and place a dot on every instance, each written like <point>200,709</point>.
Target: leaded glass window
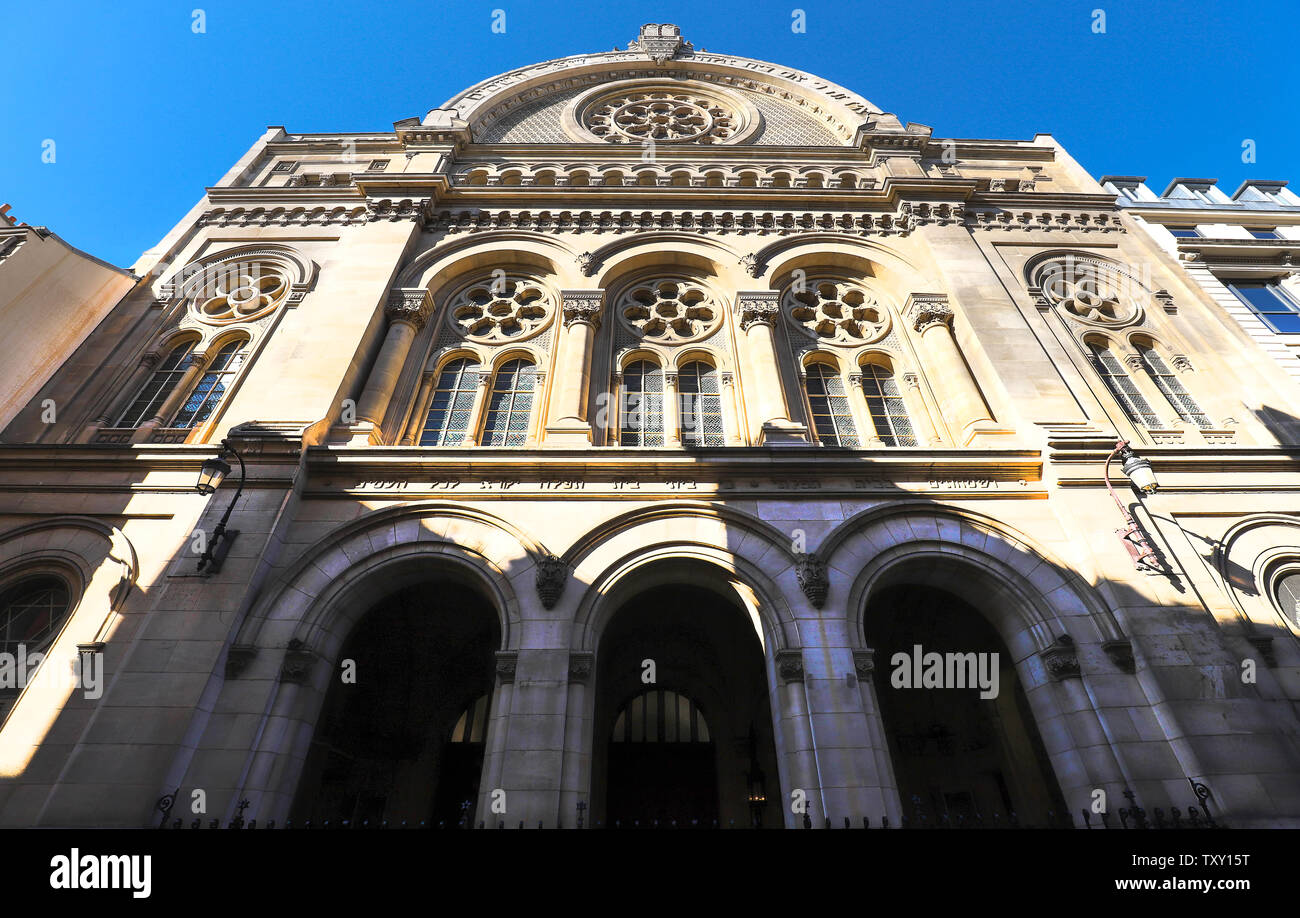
<point>159,386</point>
<point>660,716</point>
<point>472,725</point>
<point>641,405</point>
<point>1115,377</point>
<point>447,420</point>
<point>1171,387</point>
<point>212,387</point>
<point>831,415</point>
<point>511,404</point>
<point>885,405</point>
<point>31,613</point>
<point>700,396</point>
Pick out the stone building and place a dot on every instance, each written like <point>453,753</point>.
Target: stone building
<point>1244,250</point>
<point>611,439</point>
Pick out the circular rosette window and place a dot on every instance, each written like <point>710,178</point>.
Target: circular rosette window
<point>501,308</point>
<point>837,312</point>
<point>652,111</point>
<point>669,311</point>
<point>238,292</point>
<point>1090,291</point>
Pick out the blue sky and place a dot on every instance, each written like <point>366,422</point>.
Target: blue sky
<point>144,113</point>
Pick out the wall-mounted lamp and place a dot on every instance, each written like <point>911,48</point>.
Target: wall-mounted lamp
<point>1143,477</point>
<point>212,473</point>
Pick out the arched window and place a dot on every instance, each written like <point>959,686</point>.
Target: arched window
<point>829,406</point>
<point>472,725</point>
<point>701,405</point>
<point>208,392</point>
<point>149,400</point>
<point>641,405</point>
<point>453,402</point>
<point>885,404</point>
<point>660,716</point>
<point>1115,377</point>
<point>32,611</point>
<point>1170,386</point>
<point>511,404</point>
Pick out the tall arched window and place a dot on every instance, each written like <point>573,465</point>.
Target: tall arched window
<point>453,402</point>
<point>829,406</point>
<point>212,387</point>
<point>885,405</point>
<point>32,611</point>
<point>1121,386</point>
<point>700,395</point>
<point>660,716</point>
<point>157,388</point>
<point>472,725</point>
<point>1170,386</point>
<point>511,404</point>
<point>641,405</point>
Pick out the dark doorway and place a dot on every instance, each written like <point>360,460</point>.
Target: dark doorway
<point>406,740</point>
<point>972,760</point>
<point>695,745</point>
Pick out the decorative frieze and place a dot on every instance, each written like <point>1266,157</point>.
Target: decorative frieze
<point>765,223</point>
<point>1031,221</point>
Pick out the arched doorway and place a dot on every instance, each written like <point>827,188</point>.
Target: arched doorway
<point>405,740</point>
<point>694,745</point>
<point>962,738</point>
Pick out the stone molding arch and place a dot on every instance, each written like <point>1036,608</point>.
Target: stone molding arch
<point>64,538</point>
<point>1246,565</point>
<point>443,264</point>
<point>619,259</point>
<point>818,250</point>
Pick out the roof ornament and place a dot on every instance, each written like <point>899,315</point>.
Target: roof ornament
<point>660,42</point>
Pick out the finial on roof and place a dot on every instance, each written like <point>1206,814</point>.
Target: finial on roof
<point>660,41</point>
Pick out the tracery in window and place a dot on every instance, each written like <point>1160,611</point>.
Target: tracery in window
<point>836,311</point>
<point>32,610</point>
<point>501,308</point>
<point>669,310</point>
<point>154,393</point>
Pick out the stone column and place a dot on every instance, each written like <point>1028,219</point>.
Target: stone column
<point>415,425</point>
<point>918,411</point>
<point>756,312</point>
<point>407,311</point>
<point>735,427</point>
<point>482,392</point>
<point>868,436</point>
<point>122,398</point>
<point>672,410</point>
<point>194,365</point>
<point>567,425</point>
<point>931,316</point>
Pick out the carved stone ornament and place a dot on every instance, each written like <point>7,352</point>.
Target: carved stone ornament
<point>864,662</point>
<point>1061,659</point>
<point>811,571</point>
<point>836,312</point>
<point>1090,290</point>
<point>507,662</point>
<point>753,267</point>
<point>661,42</point>
<point>500,309</point>
<point>928,310</point>
<point>409,305</point>
<point>298,662</point>
<point>1121,654</point>
<point>669,310</point>
<point>238,659</point>
<point>789,665</point>
<point>582,306</point>
<point>551,576</point>
<point>587,264</point>
<point>581,664</point>
<point>757,307</point>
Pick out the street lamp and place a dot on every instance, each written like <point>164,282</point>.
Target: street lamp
<point>211,474</point>
<point>1143,477</point>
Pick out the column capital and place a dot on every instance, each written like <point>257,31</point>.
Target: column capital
<point>582,307</point>
<point>507,662</point>
<point>195,361</point>
<point>757,307</point>
<point>855,380</point>
<point>670,378</point>
<point>911,380</point>
<point>411,305</point>
<point>926,310</point>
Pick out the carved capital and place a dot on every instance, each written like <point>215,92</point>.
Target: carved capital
<point>789,665</point>
<point>1134,362</point>
<point>1182,363</point>
<point>911,380</point>
<point>1121,654</point>
<point>298,662</point>
<point>1061,659</point>
<point>728,378</point>
<point>149,360</point>
<point>507,661</point>
<point>864,662</point>
<point>551,576</point>
<point>581,664</point>
<point>757,307</point>
<point>582,306</point>
<point>411,305</point>
<point>928,310</point>
<point>812,577</point>
<point>238,659</point>
<point>855,380</point>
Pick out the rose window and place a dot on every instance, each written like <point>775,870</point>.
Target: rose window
<point>669,311</point>
<point>661,116</point>
<point>1088,291</point>
<point>501,309</point>
<point>240,292</point>
<point>837,313</point>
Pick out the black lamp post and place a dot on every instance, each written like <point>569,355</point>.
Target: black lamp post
<point>213,472</point>
<point>1143,477</point>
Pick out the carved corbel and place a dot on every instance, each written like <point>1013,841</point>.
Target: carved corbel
<point>789,665</point>
<point>1120,652</point>
<point>1062,659</point>
<point>813,579</point>
<point>551,576</point>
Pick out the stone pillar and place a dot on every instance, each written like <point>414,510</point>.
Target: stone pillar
<point>122,398</point>
<point>931,316</point>
<point>415,424</point>
<point>672,410</point>
<point>194,365</point>
<point>482,392</point>
<point>567,424</point>
<point>868,436</point>
<point>791,704</point>
<point>407,311</point>
<point>918,411</point>
<point>735,427</point>
<point>757,312</point>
